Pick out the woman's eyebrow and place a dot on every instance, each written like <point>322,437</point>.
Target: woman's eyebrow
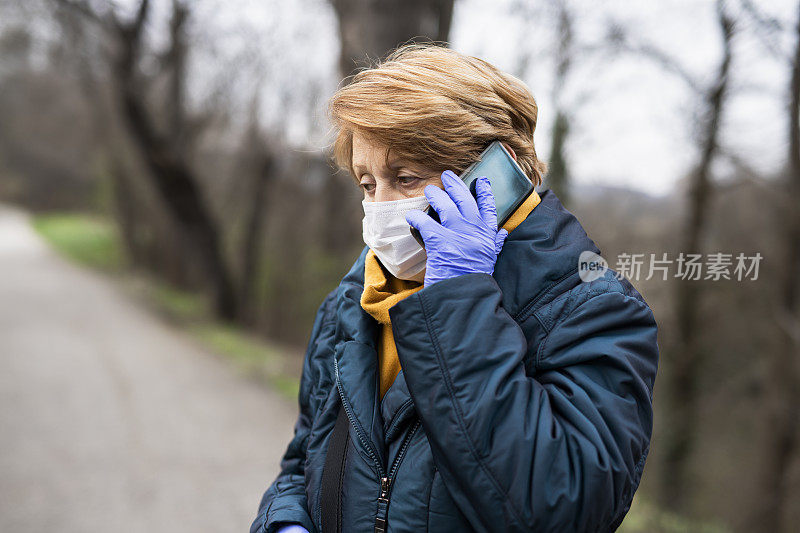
<point>359,168</point>
<point>402,164</point>
<point>395,165</point>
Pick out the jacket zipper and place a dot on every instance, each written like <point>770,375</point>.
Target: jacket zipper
<point>385,479</point>
<point>386,482</point>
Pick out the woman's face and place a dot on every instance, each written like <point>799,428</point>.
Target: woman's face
<point>379,182</point>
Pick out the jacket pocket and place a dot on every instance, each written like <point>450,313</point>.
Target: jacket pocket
<point>443,515</point>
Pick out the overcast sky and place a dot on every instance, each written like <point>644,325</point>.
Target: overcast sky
<point>635,126</point>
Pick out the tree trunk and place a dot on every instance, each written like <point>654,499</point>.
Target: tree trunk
<point>681,384</point>
<point>557,177</point>
<point>368,30</point>
<point>165,160</point>
<point>558,172</point>
<point>782,409</point>
<point>251,246</point>
<point>371,28</point>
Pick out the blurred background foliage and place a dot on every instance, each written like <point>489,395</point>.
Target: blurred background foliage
<point>183,142</point>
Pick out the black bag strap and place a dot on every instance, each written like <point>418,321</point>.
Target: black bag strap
<point>333,476</point>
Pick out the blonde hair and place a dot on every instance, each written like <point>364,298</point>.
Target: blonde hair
<point>437,108</point>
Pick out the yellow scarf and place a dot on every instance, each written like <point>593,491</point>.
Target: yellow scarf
<point>382,290</point>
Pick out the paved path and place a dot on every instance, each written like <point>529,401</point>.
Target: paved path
<point>112,421</point>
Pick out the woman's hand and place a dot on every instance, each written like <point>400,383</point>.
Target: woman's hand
<point>467,241</point>
<point>292,528</point>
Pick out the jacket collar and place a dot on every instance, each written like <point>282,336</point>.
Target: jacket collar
<point>546,244</point>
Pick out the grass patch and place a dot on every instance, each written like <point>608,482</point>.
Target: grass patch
<point>178,304</point>
<point>86,240</point>
<point>645,517</point>
<point>251,355</point>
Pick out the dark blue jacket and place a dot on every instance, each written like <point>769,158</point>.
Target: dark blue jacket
<point>524,402</point>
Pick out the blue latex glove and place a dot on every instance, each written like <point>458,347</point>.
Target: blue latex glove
<point>292,528</point>
<point>467,240</point>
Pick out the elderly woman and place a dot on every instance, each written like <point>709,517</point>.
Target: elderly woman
<point>476,383</point>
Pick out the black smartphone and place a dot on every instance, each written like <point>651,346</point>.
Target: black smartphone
<point>510,185</point>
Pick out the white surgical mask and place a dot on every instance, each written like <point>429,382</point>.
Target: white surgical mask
<point>388,234</point>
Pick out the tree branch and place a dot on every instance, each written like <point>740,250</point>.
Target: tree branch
<point>83,9</point>
<point>768,29</point>
<point>619,37</point>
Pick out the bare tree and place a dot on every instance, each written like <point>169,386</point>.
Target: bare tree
<point>682,383</point>
<point>259,162</point>
<point>104,138</point>
<point>681,380</point>
<point>782,405</point>
<point>569,54</point>
<point>163,149</point>
<point>558,172</point>
<point>368,30</point>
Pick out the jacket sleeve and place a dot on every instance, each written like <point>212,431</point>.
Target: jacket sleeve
<point>560,450</point>
<point>284,502</point>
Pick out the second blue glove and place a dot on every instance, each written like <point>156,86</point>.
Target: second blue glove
<point>467,241</point>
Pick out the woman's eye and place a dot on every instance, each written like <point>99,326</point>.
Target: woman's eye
<point>407,180</point>
<point>368,187</point>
